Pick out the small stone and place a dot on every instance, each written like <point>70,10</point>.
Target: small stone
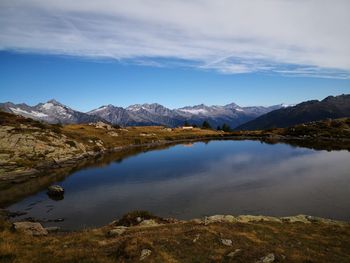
<point>268,258</point>
<point>31,228</point>
<point>196,238</point>
<point>234,253</point>
<point>145,253</point>
<point>117,231</point>
<point>226,242</point>
<point>139,219</point>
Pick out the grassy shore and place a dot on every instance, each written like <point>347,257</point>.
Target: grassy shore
<point>213,239</point>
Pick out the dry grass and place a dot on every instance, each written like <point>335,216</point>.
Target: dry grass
<point>174,242</point>
<point>134,135</point>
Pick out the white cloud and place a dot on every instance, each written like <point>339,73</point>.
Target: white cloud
<point>307,38</point>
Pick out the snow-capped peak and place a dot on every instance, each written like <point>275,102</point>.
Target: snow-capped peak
<point>284,105</point>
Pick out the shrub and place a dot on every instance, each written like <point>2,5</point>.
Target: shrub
<point>131,218</point>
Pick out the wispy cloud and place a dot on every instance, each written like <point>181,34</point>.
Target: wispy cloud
<point>304,38</point>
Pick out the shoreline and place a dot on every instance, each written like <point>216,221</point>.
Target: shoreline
<point>66,167</point>
<point>91,155</point>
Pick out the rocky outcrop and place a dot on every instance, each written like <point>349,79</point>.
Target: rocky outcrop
<point>27,146</point>
<point>306,219</point>
<point>30,228</point>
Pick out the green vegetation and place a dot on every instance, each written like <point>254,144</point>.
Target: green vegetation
<point>206,125</point>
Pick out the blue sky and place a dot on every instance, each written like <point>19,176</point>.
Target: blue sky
<point>88,53</point>
<point>85,84</point>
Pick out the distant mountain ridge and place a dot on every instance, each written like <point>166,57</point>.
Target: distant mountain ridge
<point>331,107</point>
<point>52,112</point>
<point>156,114</point>
<point>141,114</point>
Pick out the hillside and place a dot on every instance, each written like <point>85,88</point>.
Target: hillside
<point>329,108</point>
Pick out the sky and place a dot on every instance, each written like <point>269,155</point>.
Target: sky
<point>88,53</point>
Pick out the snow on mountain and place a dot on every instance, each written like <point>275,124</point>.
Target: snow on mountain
<point>53,111</point>
<point>195,111</point>
<point>156,114</point>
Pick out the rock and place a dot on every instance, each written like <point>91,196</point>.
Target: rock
<point>145,253</point>
<point>138,219</point>
<point>148,223</point>
<point>117,231</point>
<point>31,228</point>
<point>298,218</point>
<point>234,253</point>
<point>102,125</point>
<point>196,238</point>
<point>268,258</point>
<point>113,134</point>
<point>226,242</point>
<point>250,218</point>
<point>55,190</point>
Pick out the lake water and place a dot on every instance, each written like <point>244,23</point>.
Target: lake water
<point>194,180</point>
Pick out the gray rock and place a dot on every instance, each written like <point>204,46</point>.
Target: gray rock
<point>196,238</point>
<point>226,242</point>
<point>30,228</point>
<point>145,253</point>
<point>148,223</point>
<point>117,231</point>
<point>55,190</point>
<point>268,258</point>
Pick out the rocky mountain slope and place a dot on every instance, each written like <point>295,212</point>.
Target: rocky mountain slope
<point>140,114</point>
<point>314,110</point>
<point>51,112</point>
<point>156,114</point>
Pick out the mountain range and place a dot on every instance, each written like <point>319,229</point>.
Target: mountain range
<point>141,114</point>
<point>52,112</point>
<point>331,107</point>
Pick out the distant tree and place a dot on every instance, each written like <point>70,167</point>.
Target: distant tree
<point>116,126</point>
<point>218,128</point>
<point>206,125</point>
<point>226,128</point>
<point>186,124</point>
<point>194,125</point>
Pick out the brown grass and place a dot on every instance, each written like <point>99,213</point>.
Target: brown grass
<point>174,242</point>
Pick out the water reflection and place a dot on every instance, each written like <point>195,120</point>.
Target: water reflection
<point>221,177</point>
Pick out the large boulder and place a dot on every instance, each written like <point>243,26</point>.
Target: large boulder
<point>30,228</point>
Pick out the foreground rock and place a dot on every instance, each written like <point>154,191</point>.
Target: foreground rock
<point>145,253</point>
<point>30,228</point>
